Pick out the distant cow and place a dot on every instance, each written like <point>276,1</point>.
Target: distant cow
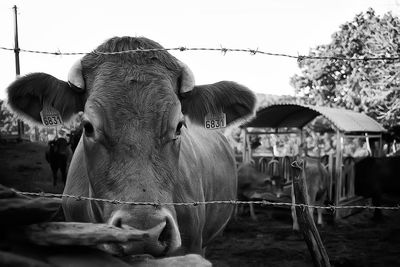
<point>74,138</point>
<point>375,176</point>
<point>58,154</point>
<point>317,178</point>
<point>252,184</point>
<point>146,138</point>
<point>390,138</point>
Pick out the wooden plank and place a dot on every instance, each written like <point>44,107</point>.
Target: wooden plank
<point>180,261</point>
<point>306,222</point>
<point>21,210</point>
<point>80,234</point>
<point>13,259</point>
<point>82,257</point>
<point>274,132</point>
<point>58,256</point>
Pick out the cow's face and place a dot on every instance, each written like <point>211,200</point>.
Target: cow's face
<point>132,125</point>
<point>59,146</point>
<point>133,118</point>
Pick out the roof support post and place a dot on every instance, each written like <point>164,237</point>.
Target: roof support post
<point>246,147</point>
<point>338,170</point>
<point>301,147</point>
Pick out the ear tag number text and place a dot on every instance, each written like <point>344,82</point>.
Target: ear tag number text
<point>50,117</point>
<point>215,121</point>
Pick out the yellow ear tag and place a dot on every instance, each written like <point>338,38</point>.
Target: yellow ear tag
<point>215,121</point>
<point>50,117</point>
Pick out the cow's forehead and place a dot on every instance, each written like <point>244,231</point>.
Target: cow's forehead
<point>137,87</point>
<point>122,72</point>
<point>131,98</point>
<point>124,51</point>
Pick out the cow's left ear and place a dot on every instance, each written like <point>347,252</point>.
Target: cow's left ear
<point>233,99</point>
<point>28,95</point>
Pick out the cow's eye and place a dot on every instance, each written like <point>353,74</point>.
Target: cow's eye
<point>179,127</point>
<point>88,127</point>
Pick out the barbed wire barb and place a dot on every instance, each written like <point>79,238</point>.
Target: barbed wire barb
<point>223,50</point>
<point>253,52</point>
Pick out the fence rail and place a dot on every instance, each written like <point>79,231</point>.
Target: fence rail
<point>196,203</point>
<point>223,50</point>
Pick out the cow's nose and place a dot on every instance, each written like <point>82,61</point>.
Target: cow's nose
<point>163,238</point>
<point>117,218</point>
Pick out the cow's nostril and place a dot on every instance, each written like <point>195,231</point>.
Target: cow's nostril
<point>118,223</point>
<point>165,236</point>
<point>116,220</point>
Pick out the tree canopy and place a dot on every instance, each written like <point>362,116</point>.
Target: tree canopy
<point>368,86</point>
<point>9,121</point>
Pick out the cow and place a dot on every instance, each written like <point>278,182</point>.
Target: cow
<point>144,140</point>
<point>316,179</point>
<point>74,138</point>
<point>252,184</point>
<point>375,176</point>
<point>249,182</point>
<point>58,155</point>
<point>391,139</point>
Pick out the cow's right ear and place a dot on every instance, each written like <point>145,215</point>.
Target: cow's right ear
<point>29,94</point>
<point>236,101</point>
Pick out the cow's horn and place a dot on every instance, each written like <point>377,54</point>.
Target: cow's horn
<point>75,77</point>
<point>187,82</point>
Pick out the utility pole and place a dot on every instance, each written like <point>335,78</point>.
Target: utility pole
<point>17,68</point>
<point>16,45</point>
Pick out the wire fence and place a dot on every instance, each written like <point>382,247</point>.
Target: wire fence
<point>221,49</point>
<point>196,203</point>
<point>331,208</point>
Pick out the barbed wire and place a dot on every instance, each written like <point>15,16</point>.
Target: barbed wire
<point>221,49</point>
<point>197,203</point>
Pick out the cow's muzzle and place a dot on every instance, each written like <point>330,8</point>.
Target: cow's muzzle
<point>162,239</point>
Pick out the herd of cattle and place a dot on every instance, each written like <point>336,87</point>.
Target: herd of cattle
<point>253,184</point>
<point>143,140</point>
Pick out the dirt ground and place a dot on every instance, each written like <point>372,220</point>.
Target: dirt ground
<point>355,241</point>
<point>24,167</point>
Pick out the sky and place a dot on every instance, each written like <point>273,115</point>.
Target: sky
<point>281,26</point>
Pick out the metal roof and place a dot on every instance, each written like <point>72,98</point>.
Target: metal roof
<point>297,115</point>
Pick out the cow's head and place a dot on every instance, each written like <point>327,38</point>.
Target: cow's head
<point>59,146</point>
<point>134,107</point>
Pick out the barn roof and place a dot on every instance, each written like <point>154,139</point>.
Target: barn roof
<point>297,115</point>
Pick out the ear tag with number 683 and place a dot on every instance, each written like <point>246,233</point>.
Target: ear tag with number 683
<point>215,121</point>
<point>50,117</point>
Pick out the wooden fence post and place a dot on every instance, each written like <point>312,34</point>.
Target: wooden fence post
<point>306,221</point>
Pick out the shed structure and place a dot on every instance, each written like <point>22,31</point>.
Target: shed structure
<point>291,118</point>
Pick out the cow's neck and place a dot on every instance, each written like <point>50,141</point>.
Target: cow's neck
<point>95,209</point>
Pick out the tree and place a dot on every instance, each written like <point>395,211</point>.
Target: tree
<point>8,121</point>
<point>368,86</point>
